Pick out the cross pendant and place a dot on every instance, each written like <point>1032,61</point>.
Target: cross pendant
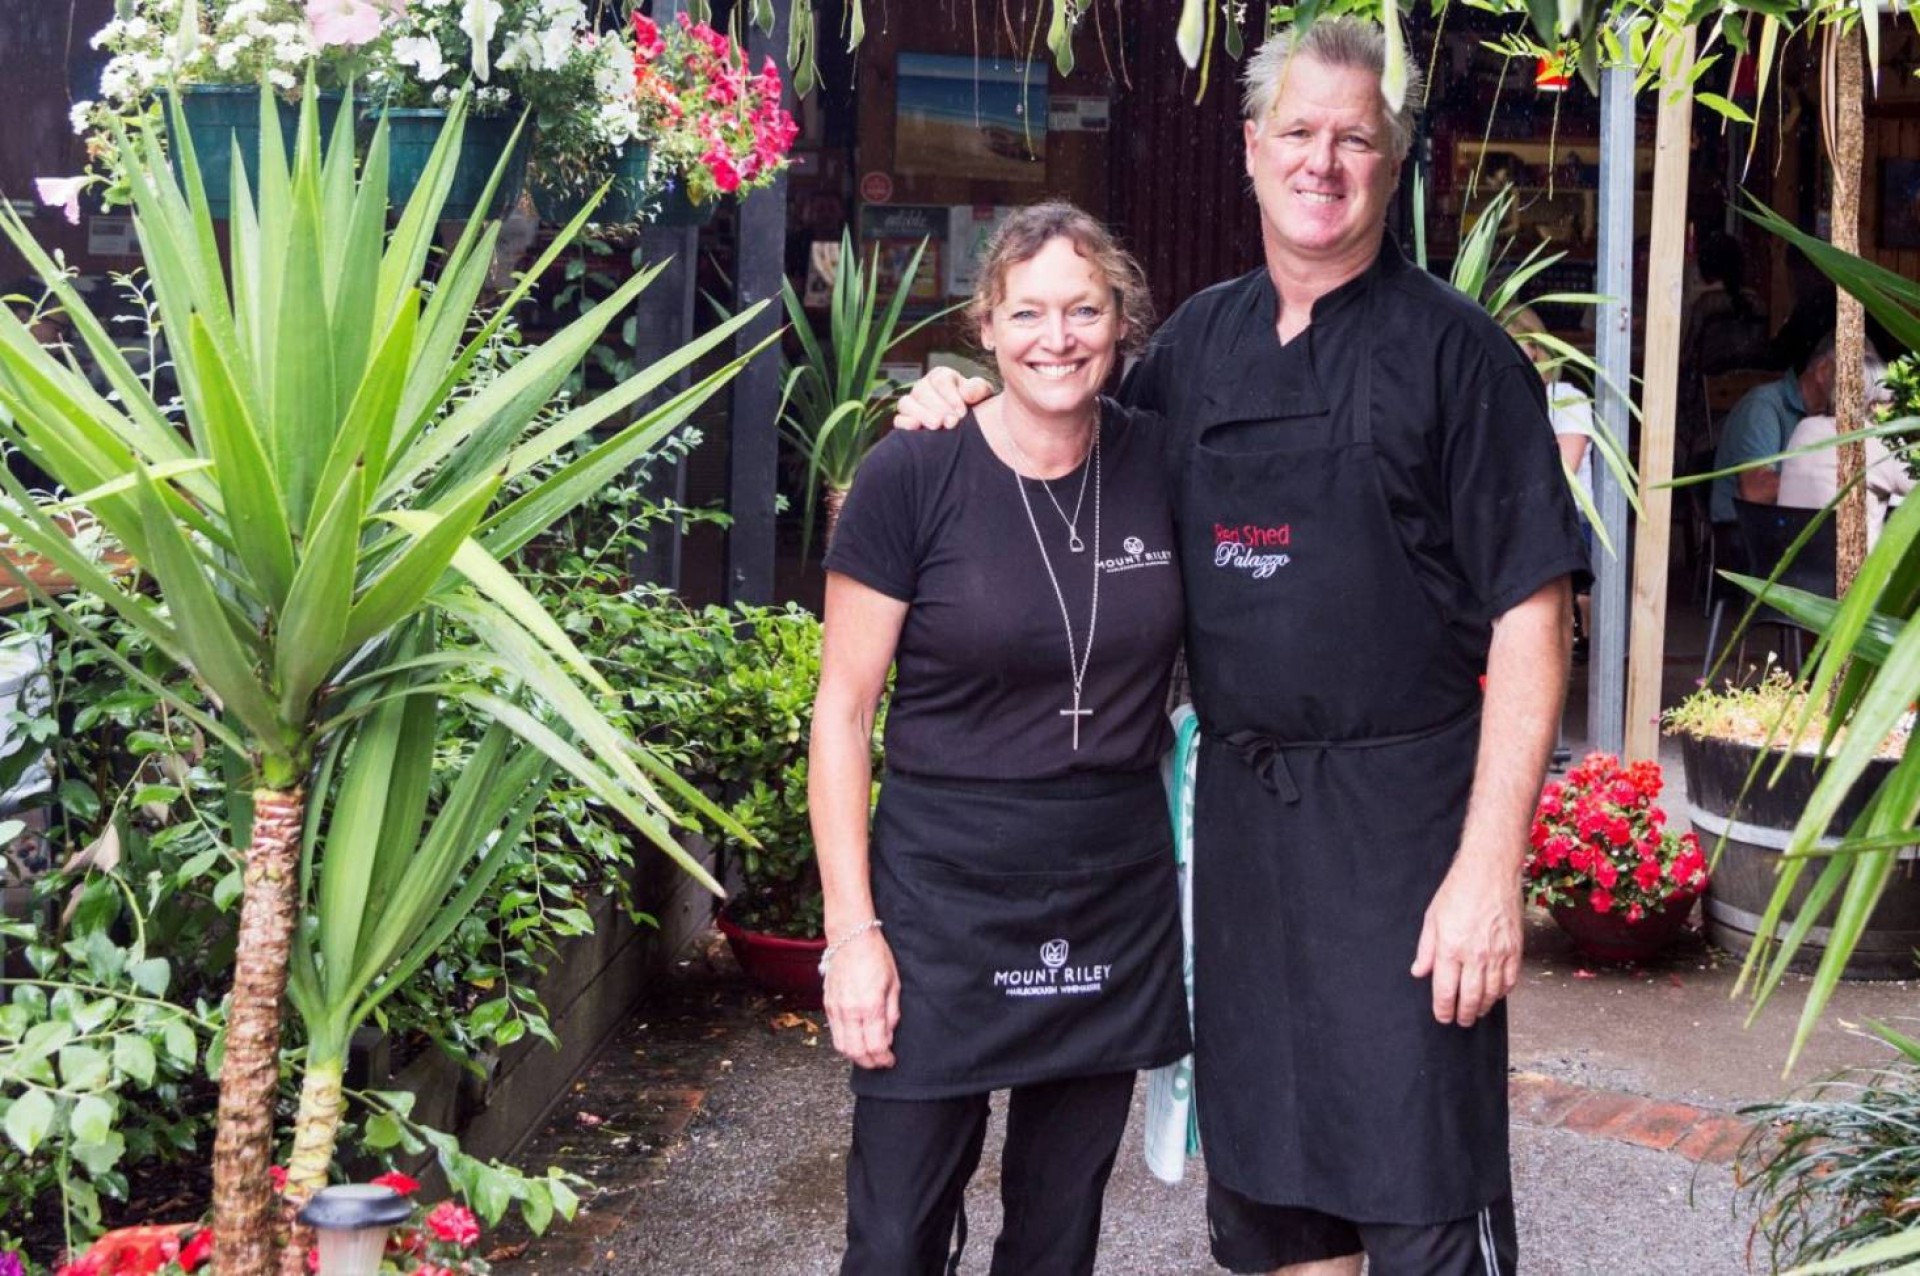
<point>1076,713</point>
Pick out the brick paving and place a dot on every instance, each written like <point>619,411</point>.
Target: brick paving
<point>1698,1134</point>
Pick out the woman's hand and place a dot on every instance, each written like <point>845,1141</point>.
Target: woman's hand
<point>863,1001</point>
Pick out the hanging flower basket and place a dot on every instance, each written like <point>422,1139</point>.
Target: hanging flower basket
<point>625,200</point>
<point>411,135</point>
<point>220,115</point>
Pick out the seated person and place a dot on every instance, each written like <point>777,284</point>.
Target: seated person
<point>1810,481</point>
<point>1760,425</point>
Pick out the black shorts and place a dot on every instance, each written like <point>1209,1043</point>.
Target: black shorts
<point>1253,1237</point>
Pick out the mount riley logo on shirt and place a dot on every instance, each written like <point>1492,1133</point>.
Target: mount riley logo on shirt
<point>1053,977</point>
<point>1137,555</point>
<point>1258,551</point>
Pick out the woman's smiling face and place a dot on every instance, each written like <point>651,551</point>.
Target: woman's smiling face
<point>1055,333</point>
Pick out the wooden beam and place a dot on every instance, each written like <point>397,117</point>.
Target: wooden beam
<point>1666,265</point>
<point>753,453</point>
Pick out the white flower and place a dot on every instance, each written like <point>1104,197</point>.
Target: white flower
<point>282,79</point>
<point>422,53</point>
<point>77,116</point>
<point>63,193</point>
<point>556,46</point>
<point>613,77</point>
<point>478,18</point>
<point>522,53</point>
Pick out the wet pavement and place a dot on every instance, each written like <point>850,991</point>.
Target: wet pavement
<point>716,1124</point>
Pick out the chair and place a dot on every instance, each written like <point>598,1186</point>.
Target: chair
<point>1764,534</point>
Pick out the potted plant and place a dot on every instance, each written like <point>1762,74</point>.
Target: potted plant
<point>715,124</point>
<point>1604,862</point>
<point>732,689</point>
<point>835,400</point>
<point>1751,755</point>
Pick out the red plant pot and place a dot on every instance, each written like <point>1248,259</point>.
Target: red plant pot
<point>777,964</point>
<point>1611,937</point>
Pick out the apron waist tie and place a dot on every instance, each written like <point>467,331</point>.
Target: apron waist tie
<point>1263,755</point>
<point>1266,755</point>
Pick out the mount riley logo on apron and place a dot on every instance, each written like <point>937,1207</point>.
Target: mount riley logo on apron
<point>1251,548</point>
<point>1137,555</point>
<point>1053,977</point>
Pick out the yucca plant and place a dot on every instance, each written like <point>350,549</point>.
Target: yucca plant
<point>835,402</point>
<point>324,507</point>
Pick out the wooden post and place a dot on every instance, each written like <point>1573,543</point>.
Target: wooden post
<point>753,454</point>
<point>1850,326</point>
<point>1666,261</point>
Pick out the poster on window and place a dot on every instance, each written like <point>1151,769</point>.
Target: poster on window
<point>971,117</point>
<point>894,232</point>
<point>969,229</point>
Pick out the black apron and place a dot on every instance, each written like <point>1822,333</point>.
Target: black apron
<point>1341,717</point>
<point>1036,928</point>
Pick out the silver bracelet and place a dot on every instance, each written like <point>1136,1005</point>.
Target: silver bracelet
<point>872,923</point>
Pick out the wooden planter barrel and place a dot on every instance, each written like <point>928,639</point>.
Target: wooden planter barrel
<point>1758,828</point>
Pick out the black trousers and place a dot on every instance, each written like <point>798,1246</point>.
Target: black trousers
<point>911,1159</point>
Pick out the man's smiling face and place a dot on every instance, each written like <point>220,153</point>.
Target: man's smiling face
<point>1322,166</point>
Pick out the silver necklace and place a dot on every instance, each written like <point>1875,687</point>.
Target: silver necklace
<point>1074,542</point>
<point>1077,658</point>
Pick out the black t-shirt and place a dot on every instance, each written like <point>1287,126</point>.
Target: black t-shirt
<point>1468,464</point>
<point>981,670</point>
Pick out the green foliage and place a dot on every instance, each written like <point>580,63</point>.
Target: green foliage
<point>1831,1176</point>
<point>1903,406</point>
<point>731,691</point>
<point>834,400</point>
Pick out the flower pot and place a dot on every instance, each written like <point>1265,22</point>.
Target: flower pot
<point>625,198</point>
<point>220,115</point>
<point>1758,829</point>
<point>412,133</point>
<point>777,964</point>
<point>677,210</point>
<point>1611,937</point>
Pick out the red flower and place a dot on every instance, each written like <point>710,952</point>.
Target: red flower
<point>454,1223</point>
<point>277,1174</point>
<point>401,1183</point>
<point>1606,872</point>
<point>197,1250</point>
<point>1635,912</point>
<point>1601,900</point>
<point>726,178</point>
<point>646,38</point>
<point>1647,875</point>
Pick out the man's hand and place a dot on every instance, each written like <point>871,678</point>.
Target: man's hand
<point>1470,942</point>
<point>863,1001</point>
<point>939,400</point>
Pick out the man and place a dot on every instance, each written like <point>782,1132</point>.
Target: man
<point>1760,425</point>
<point>1371,516</point>
<point>1810,480</point>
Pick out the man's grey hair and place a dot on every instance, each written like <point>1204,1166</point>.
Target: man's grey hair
<point>1338,42</point>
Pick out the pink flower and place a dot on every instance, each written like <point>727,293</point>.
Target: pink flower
<point>726,178</point>
<point>1601,901</point>
<point>647,43</point>
<point>454,1223</point>
<point>62,193</point>
<point>348,22</point>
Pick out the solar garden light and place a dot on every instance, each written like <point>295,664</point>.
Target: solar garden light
<point>353,1220</point>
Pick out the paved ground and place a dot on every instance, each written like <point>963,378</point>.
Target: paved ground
<point>717,1124</point>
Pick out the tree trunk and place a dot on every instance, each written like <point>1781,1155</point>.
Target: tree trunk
<point>243,1207</point>
<point>315,1130</point>
<point>1850,333</point>
<point>833,498</point>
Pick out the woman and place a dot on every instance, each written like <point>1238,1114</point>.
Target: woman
<point>1018,574</point>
